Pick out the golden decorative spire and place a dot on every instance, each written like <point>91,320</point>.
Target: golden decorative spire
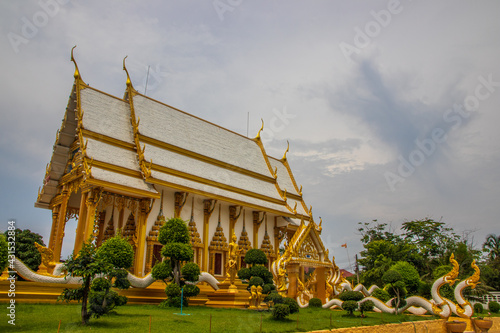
<point>266,245</point>
<point>286,151</point>
<point>194,235</point>
<point>244,242</point>
<point>219,241</point>
<point>77,72</point>
<point>129,82</point>
<point>261,128</point>
<point>160,213</point>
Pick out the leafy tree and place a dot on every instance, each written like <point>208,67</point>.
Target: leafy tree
<point>491,246</point>
<point>174,236</point>
<point>25,248</point>
<point>350,307</point>
<point>409,276</point>
<point>351,296</point>
<point>255,257</point>
<point>381,294</point>
<point>365,307</point>
<point>107,262</point>
<point>3,253</point>
<point>394,282</point>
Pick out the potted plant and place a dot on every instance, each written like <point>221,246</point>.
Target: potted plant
<point>482,324</point>
<point>456,326</point>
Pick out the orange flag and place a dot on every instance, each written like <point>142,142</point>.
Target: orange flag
<point>344,245</point>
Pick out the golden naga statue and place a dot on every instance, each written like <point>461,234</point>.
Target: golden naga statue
<point>232,262</point>
<point>46,253</point>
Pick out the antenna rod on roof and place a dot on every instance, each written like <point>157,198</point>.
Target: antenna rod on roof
<point>248,121</point>
<point>147,79</point>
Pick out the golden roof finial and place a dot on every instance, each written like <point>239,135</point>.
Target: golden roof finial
<point>129,83</point>
<point>261,128</point>
<point>310,210</point>
<point>284,194</point>
<point>286,151</point>
<point>77,72</point>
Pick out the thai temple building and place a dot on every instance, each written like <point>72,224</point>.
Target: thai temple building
<point>132,163</point>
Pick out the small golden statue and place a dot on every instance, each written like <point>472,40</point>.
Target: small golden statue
<point>47,264</point>
<point>232,262</point>
<point>255,297</point>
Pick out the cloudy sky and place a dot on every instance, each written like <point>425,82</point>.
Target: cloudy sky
<point>391,108</point>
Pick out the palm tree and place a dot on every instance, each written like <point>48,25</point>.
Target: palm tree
<point>492,245</point>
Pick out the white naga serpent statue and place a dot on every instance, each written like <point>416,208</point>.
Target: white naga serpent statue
<point>59,277</point>
<point>438,305</point>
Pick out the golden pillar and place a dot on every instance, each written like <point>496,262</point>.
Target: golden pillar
<point>293,275</point>
<point>93,199</point>
<point>320,284</point>
<point>208,208</point>
<point>80,227</point>
<point>145,207</point>
<point>257,222</point>
<point>61,222</point>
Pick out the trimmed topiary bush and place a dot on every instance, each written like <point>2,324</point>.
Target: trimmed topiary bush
<point>162,270</point>
<point>118,251</point>
<point>244,273</point>
<point>365,307</point>
<point>494,306</point>
<point>350,307</point>
<point>274,297</point>
<point>190,271</point>
<point>255,257</point>
<point>381,294</point>
<point>268,287</point>
<point>280,311</point>
<point>172,290</point>
<point>262,272</point>
<point>409,275</point>
<point>351,296</point>
<point>292,304</point>
<point>315,303</point>
<point>478,308</point>
<point>255,281</point>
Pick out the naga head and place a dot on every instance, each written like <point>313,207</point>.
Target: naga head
<point>451,277</point>
<point>473,281</point>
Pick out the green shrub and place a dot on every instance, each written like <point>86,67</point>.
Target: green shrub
<point>190,271</point>
<point>292,304</point>
<point>268,287</point>
<point>381,294</point>
<point>494,306</point>
<point>391,276</point>
<point>100,284</point>
<point>350,306</point>
<point>409,275</point>
<point>274,297</point>
<point>255,281</point>
<point>97,306</point>
<point>315,303</point>
<point>366,306</point>
<point>280,311</point>
<point>244,273</point>
<point>172,290</point>
<point>478,308</point>
<point>255,256</point>
<point>162,270</point>
<point>351,296</point>
<point>179,251</point>
<point>191,290</point>
<point>262,272</point>
<point>174,231</point>
<point>118,251</point>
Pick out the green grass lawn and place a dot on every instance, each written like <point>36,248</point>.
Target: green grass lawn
<point>135,318</point>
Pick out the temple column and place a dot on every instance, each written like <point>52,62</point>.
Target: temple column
<point>292,270</point>
<point>120,205</point>
<point>93,199</point>
<point>208,208</point>
<point>61,222</point>
<point>257,222</point>
<point>80,227</point>
<point>320,284</point>
<point>145,207</point>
